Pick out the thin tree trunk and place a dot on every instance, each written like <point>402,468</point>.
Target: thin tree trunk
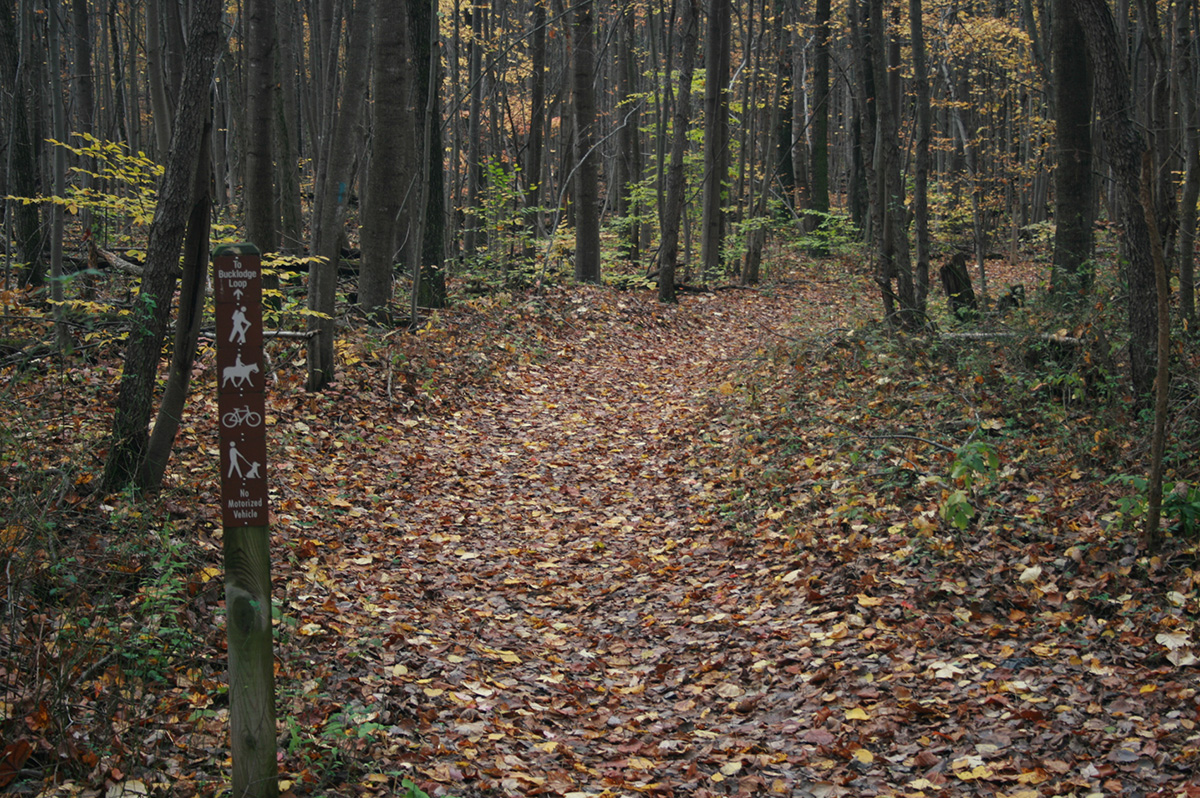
<point>819,201</point>
<point>1190,111</point>
<point>187,323</point>
<point>1071,273</point>
<point>21,153</point>
<point>288,132</point>
<point>1124,147</point>
<point>674,206</point>
<point>389,184</point>
<point>144,349</point>
<point>156,79</point>
<point>59,117</point>
<point>262,221</point>
<point>537,121</point>
<point>630,161</point>
<point>339,156</point>
<point>1152,535</point>
<point>85,91</point>
<point>587,206</point>
<point>716,135</point>
<point>474,135</point>
<point>429,251</point>
<point>920,203</point>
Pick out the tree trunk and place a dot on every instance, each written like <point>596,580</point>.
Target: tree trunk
<point>187,323</point>
<point>716,134</point>
<point>22,153</point>
<point>1071,273</point>
<point>1190,111</point>
<point>630,161</point>
<point>924,132</point>
<point>144,348</point>
<point>59,124</point>
<point>894,269</point>
<point>85,92</point>
<point>819,157</point>
<point>674,206</point>
<point>390,186</point>
<point>587,205</point>
<point>429,254</point>
<point>340,149</point>
<point>1124,146</point>
<point>156,78</point>
<point>472,220</point>
<point>537,120</point>
<point>262,221</point>
<point>287,132</point>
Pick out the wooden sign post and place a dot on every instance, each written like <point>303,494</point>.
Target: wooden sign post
<point>241,405</point>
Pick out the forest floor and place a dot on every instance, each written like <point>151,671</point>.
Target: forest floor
<point>583,544</point>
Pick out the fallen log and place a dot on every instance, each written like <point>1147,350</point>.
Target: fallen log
<point>117,262</point>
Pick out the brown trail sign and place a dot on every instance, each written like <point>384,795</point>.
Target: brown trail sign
<point>241,404</point>
<point>241,386</point>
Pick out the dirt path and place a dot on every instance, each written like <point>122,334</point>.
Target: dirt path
<point>547,614</point>
<point>544,593</point>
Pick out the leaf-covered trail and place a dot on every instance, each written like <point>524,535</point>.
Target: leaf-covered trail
<point>534,600</point>
<point>554,590</point>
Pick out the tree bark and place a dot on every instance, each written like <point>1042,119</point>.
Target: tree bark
<point>1189,110</point>
<point>129,438</point>
<point>587,205</point>
<point>537,121</point>
<point>471,231</point>
<point>716,134</point>
<point>262,221</point>
<point>429,253</point>
<point>819,156</point>
<point>924,133</point>
<point>1071,273</point>
<point>187,323</point>
<point>629,162</point>
<point>22,153</point>
<point>1124,147</point>
<point>894,264</point>
<point>156,78</point>
<point>340,150</point>
<point>288,132</point>
<point>674,205</point>
<point>389,185</point>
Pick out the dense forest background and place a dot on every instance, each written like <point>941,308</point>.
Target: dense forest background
<point>982,216</point>
<point>488,142</point>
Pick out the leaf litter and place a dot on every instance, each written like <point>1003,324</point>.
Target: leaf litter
<point>587,545</point>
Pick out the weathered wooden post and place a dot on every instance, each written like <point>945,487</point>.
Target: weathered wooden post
<point>241,394</point>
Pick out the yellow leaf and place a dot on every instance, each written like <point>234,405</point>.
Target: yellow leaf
<point>864,756</point>
<point>869,601</point>
<point>1030,574</point>
<point>731,768</point>
<point>981,772</point>
<point>858,713</point>
<point>433,692</point>
<point>725,389</point>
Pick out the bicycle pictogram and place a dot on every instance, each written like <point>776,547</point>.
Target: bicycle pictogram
<point>241,415</point>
